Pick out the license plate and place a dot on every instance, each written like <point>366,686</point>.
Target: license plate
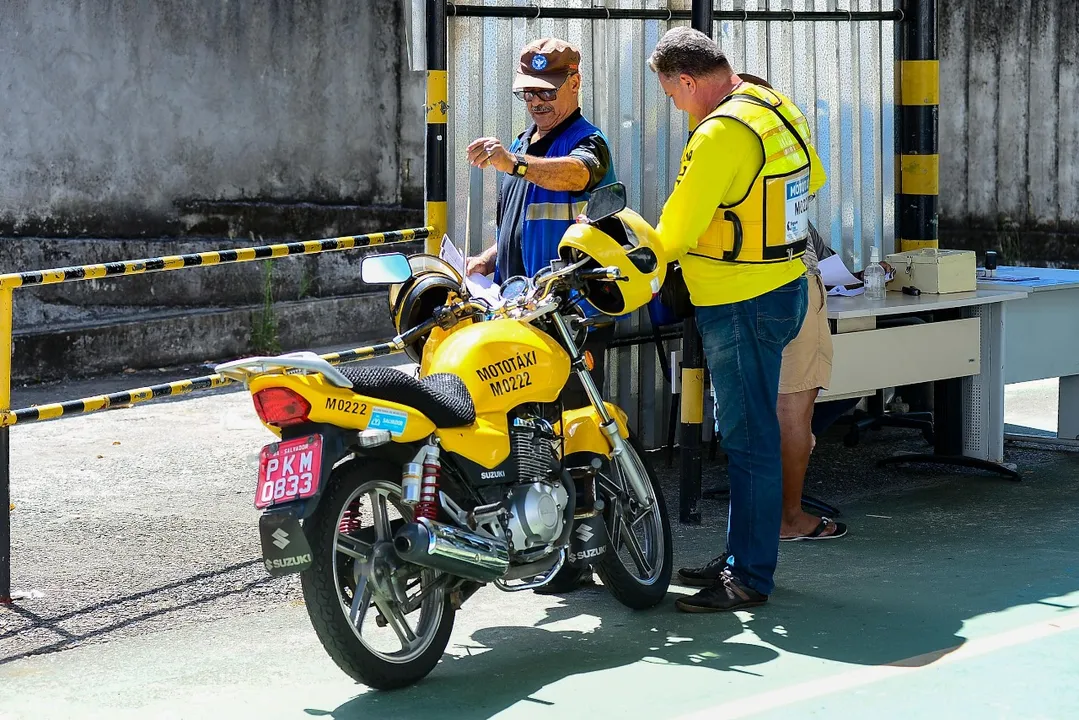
<point>289,470</point>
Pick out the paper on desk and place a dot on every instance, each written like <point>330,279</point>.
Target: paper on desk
<point>478,286</point>
<point>840,291</point>
<point>835,273</point>
<point>1005,278</point>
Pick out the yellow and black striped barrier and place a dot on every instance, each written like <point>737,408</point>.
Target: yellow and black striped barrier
<point>11,281</point>
<point>96,403</point>
<point>205,259</point>
<point>919,100</point>
<point>127,398</point>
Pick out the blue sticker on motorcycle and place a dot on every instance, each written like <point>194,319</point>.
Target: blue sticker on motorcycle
<point>386,419</point>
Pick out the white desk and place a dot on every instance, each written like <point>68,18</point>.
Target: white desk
<point>1041,335</point>
<point>967,345</point>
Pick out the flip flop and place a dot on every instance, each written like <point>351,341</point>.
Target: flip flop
<point>840,531</point>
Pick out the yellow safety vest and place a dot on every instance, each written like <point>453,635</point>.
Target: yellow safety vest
<point>771,223</point>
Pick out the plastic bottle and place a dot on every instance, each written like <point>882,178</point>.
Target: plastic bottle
<point>873,277</point>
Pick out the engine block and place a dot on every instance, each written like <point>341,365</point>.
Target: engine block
<point>536,514</point>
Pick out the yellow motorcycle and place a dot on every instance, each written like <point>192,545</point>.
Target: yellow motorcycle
<point>398,497</point>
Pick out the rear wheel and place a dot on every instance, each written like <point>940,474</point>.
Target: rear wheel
<point>384,622</point>
<point>638,562</point>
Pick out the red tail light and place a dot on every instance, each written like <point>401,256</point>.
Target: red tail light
<point>281,407</point>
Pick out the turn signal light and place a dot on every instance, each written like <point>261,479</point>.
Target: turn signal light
<point>589,361</point>
<point>281,407</point>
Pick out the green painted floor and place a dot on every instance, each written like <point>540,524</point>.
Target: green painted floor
<point>956,599</point>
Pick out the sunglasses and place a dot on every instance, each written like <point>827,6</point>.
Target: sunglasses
<point>545,95</point>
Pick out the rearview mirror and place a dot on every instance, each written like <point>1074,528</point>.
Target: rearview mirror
<point>385,269</point>
<point>606,201</point>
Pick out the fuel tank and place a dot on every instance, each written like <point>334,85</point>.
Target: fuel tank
<point>503,363</point>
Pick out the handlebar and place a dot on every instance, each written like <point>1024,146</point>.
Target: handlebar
<point>607,273</point>
<point>536,303</point>
<point>445,317</point>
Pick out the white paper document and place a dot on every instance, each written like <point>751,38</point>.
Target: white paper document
<point>478,286</point>
<point>449,252</point>
<point>840,291</point>
<point>835,273</point>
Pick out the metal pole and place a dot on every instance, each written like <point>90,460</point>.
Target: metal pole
<point>916,124</point>
<point>689,494</point>
<point>5,454</point>
<point>701,16</point>
<point>437,113</point>
<point>535,10</point>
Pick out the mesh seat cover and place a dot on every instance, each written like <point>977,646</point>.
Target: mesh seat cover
<point>442,397</point>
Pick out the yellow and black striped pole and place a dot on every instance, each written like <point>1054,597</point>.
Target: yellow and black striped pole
<point>692,371</point>
<point>438,90</point>
<point>919,98</point>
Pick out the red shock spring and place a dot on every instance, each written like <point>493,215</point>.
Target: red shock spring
<point>427,507</point>
<point>350,520</point>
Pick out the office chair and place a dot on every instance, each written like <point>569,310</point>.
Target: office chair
<point>876,417</point>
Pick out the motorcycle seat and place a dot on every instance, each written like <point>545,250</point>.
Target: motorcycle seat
<point>442,398</point>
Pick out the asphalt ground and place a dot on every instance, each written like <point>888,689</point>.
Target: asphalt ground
<point>135,549</point>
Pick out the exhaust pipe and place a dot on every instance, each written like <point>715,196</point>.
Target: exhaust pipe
<point>452,550</point>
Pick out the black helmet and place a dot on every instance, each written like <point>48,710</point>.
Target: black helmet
<point>413,301</point>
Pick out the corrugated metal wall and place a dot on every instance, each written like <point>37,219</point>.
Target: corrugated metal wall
<point>1009,127</point>
<point>832,70</point>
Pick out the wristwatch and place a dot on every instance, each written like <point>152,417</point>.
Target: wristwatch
<point>520,166</point>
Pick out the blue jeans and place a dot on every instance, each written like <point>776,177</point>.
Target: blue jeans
<point>743,344</point>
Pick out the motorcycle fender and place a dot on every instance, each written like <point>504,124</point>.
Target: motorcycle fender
<point>588,542</point>
<point>583,432</point>
<point>284,546</point>
<point>334,449</point>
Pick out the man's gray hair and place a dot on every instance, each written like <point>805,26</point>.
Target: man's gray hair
<point>683,50</point>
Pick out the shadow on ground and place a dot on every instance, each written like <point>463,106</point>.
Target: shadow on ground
<point>898,590</point>
<point>101,621</point>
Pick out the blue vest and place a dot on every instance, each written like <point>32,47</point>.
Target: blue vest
<point>549,213</point>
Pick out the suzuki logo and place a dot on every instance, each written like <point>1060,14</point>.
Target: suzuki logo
<point>584,533</point>
<point>587,554</point>
<point>280,538</point>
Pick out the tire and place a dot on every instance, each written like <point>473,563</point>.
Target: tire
<point>631,589</point>
<point>332,572</point>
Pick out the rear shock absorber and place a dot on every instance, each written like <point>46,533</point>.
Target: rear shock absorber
<point>427,507</point>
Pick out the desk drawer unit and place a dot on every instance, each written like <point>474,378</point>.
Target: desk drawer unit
<point>868,360</point>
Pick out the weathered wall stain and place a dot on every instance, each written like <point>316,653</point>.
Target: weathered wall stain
<point>124,118</point>
<point>1009,128</point>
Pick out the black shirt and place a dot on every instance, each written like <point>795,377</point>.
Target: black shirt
<point>592,151</point>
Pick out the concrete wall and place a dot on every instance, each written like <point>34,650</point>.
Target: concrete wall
<point>1009,128</point>
<point>123,118</point>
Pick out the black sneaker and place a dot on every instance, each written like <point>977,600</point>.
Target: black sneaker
<point>725,594</point>
<point>706,575</point>
<point>567,580</point>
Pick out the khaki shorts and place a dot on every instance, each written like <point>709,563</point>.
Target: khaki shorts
<point>807,360</point>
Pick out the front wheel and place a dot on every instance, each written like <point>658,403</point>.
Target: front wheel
<point>637,565</point>
<point>384,622</point>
